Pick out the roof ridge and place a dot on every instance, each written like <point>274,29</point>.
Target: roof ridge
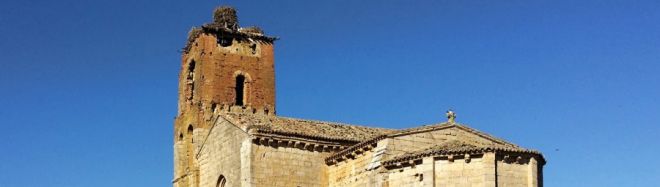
<point>459,125</point>
<point>331,122</point>
<point>378,138</point>
<point>305,128</point>
<point>485,135</point>
<point>303,135</point>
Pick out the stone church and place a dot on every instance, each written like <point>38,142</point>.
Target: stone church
<point>227,133</point>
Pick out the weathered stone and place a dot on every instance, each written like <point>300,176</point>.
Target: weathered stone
<point>226,132</point>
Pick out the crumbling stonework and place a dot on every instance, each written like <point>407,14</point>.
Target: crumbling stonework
<point>226,132</point>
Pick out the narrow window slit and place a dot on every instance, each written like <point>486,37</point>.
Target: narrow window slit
<point>240,90</point>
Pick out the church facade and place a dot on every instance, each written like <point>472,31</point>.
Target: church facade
<point>227,133</point>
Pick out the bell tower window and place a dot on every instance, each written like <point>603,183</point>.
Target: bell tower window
<point>191,71</point>
<point>190,80</point>
<point>240,90</point>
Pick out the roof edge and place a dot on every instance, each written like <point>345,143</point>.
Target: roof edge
<point>414,130</point>
<point>353,148</point>
<point>303,136</point>
<point>480,150</point>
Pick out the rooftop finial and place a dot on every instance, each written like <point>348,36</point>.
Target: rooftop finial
<point>451,116</point>
<point>226,16</point>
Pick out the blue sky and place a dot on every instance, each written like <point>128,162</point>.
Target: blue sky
<point>88,88</point>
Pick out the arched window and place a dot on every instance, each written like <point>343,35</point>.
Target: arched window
<point>191,71</point>
<point>190,132</point>
<point>241,92</point>
<point>189,145</point>
<point>190,80</point>
<point>221,181</point>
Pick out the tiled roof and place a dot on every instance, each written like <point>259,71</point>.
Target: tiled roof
<point>455,147</point>
<point>357,137</point>
<point>305,128</point>
<point>424,128</point>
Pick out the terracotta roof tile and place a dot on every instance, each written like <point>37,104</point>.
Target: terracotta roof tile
<point>306,128</point>
<point>459,147</point>
<point>445,125</point>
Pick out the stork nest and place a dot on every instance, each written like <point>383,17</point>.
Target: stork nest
<point>253,30</point>
<point>226,16</point>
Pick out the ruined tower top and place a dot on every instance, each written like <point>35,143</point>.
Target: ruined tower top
<point>226,68</point>
<point>226,16</point>
<point>225,28</point>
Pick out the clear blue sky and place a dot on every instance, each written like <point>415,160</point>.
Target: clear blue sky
<point>88,88</point>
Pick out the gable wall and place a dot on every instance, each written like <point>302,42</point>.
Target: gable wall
<point>222,155</point>
<point>419,141</point>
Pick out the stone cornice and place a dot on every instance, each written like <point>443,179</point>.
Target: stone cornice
<point>306,136</point>
<point>402,160</point>
<point>303,144</point>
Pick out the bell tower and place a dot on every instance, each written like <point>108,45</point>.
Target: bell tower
<point>224,68</point>
<point>224,65</point>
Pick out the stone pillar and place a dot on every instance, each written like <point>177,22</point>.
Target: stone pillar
<point>490,169</point>
<point>532,173</point>
<point>428,171</point>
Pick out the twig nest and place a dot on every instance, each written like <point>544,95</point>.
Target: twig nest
<point>252,30</point>
<point>226,16</point>
<point>193,33</point>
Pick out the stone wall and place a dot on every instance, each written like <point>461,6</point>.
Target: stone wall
<point>431,171</point>
<point>186,145</point>
<point>207,83</point>
<point>363,170</point>
<point>279,166</point>
<point>477,171</point>
<point>408,176</point>
<point>517,171</point>
<point>460,173</point>
<point>474,170</point>
<point>180,158</point>
<point>223,154</point>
